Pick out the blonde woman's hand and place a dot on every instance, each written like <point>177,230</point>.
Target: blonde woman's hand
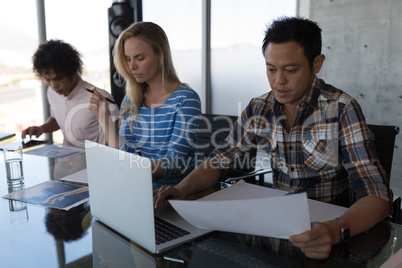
<point>97,104</point>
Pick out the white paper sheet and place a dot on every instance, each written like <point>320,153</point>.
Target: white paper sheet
<point>79,177</point>
<point>252,209</point>
<point>320,211</point>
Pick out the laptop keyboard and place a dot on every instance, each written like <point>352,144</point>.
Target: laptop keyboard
<point>165,231</point>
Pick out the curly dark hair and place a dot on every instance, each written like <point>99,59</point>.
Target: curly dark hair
<point>59,56</point>
<point>67,225</point>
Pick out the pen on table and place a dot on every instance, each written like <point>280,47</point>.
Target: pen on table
<point>173,259</point>
<point>109,100</point>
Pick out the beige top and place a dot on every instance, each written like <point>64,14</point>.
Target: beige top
<point>75,120</point>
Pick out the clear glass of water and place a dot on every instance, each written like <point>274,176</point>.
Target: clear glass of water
<point>13,160</point>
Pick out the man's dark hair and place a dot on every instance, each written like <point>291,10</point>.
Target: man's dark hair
<point>59,56</point>
<point>306,32</point>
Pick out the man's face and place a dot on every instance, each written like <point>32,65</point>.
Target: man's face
<point>288,72</point>
<point>63,85</point>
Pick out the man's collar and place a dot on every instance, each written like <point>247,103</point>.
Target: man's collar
<point>275,105</point>
<point>311,96</point>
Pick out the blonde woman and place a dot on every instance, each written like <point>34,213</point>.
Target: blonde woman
<point>159,114</point>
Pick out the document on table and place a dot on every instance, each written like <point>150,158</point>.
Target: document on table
<point>56,151</point>
<point>5,136</point>
<point>52,194</point>
<point>252,209</point>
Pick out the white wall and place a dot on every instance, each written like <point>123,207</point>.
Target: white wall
<point>362,41</point>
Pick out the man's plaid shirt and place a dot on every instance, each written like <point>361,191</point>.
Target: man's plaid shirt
<point>329,152</point>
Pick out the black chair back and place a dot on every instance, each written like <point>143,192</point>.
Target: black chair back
<point>385,142</point>
<point>212,131</point>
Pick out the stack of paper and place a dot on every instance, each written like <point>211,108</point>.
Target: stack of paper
<point>252,209</point>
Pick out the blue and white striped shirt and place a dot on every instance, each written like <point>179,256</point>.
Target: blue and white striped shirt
<point>166,133</point>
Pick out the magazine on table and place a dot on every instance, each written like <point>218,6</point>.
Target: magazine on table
<point>54,194</point>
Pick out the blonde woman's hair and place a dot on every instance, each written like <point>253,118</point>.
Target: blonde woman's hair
<point>156,38</point>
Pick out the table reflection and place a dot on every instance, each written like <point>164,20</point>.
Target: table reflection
<point>58,238</point>
<point>118,251</point>
<point>63,167</point>
<point>67,226</point>
<point>223,249</point>
<point>46,238</point>
<point>18,210</point>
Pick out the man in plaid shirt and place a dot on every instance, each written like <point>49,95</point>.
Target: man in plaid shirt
<point>315,134</point>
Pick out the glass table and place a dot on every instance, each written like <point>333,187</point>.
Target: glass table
<point>35,236</point>
<point>223,249</point>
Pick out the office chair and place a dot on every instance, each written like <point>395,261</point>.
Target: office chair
<point>384,142</point>
<point>212,131</point>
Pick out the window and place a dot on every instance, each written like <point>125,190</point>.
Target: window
<point>181,21</point>
<point>237,63</point>
<point>20,101</point>
<point>237,30</point>
<point>83,24</point>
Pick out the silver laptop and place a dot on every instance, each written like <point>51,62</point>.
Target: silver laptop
<point>121,196</point>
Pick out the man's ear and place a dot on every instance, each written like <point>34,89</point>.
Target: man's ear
<point>317,64</point>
